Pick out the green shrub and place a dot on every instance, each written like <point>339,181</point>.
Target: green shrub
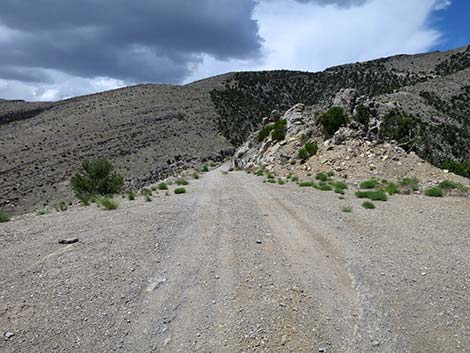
<point>195,175</point>
<point>312,148</point>
<point>148,198</point>
<point>412,183</point>
<point>153,188</point>
<point>4,217</point>
<point>369,184</point>
<point>400,127</point>
<point>330,174</point>
<point>362,115</point>
<point>321,177</point>
<point>295,179</point>
<point>451,185</point>
<point>259,172</point>
<point>270,176</point>
<point>107,203</point>
<point>339,191</point>
<point>346,209</point>
<point>205,168</point>
<point>307,151</point>
<point>434,192</point>
<point>146,192</point>
<point>323,186</point>
<point>96,178</point>
<point>180,191</point>
<point>162,186</point>
<point>460,168</point>
<point>42,211</point>
<point>333,119</point>
<point>272,181</point>
<point>182,182</point>
<point>264,132</point>
<point>131,195</point>
<point>339,185</point>
<point>368,205</point>
<point>281,182</point>
<point>392,188</point>
<point>305,184</point>
<point>279,132</point>
<point>376,195</point>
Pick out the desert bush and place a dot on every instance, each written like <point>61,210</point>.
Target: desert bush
<point>339,191</point>
<point>131,195</point>
<point>182,182</point>
<point>333,119</point>
<point>391,188</point>
<point>295,179</point>
<point>281,182</point>
<point>369,184</point>
<point>205,168</point>
<point>411,183</point>
<point>195,175</point>
<point>153,188</point>
<point>279,131</point>
<point>259,172</point>
<point>339,185</point>
<point>4,217</point>
<point>270,176</point>
<point>376,195</point>
<point>307,151</point>
<point>321,177</point>
<point>362,115</point>
<point>346,209</point>
<point>146,191</point>
<point>322,186</point>
<point>162,186</point>
<point>264,132</point>
<point>42,211</point>
<point>434,192</point>
<point>451,185</point>
<point>96,178</point>
<point>180,191</point>
<point>368,205</point>
<point>107,203</point>
<point>148,198</point>
<point>305,184</point>
<point>402,128</point>
<point>460,168</point>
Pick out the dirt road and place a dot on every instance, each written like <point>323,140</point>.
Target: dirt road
<point>236,265</point>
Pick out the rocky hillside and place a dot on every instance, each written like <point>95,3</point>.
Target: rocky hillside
<point>432,89</point>
<point>149,132</point>
<point>420,102</point>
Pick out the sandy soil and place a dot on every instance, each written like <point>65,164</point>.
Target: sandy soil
<point>236,265</point>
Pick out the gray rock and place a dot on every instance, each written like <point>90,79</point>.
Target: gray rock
<point>8,334</point>
<point>68,241</point>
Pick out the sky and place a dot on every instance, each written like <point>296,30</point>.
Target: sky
<point>56,49</point>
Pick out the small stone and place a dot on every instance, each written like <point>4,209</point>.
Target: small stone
<point>259,242</point>
<point>283,340</point>
<point>423,273</point>
<point>8,335</point>
<point>322,349</point>
<point>376,343</point>
<point>68,241</point>
<point>217,277</point>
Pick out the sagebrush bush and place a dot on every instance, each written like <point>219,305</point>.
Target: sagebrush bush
<point>205,168</point>
<point>368,205</point>
<point>434,192</point>
<point>305,184</point>
<point>107,203</point>
<point>321,177</point>
<point>96,178</point>
<point>42,211</point>
<point>339,185</point>
<point>362,115</point>
<point>392,188</point>
<point>146,191</point>
<point>259,172</point>
<point>279,132</point>
<point>294,178</point>
<point>180,191</point>
<point>61,206</point>
<point>369,184</point>
<point>460,168</point>
<point>333,119</point>
<point>195,175</point>
<point>346,209</point>
<point>4,217</point>
<point>281,182</point>
<point>322,186</point>
<point>182,182</point>
<point>264,132</point>
<point>148,198</point>
<point>376,195</point>
<point>162,186</point>
<point>131,195</point>
<point>308,151</point>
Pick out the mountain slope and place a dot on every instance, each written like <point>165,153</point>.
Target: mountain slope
<point>152,131</point>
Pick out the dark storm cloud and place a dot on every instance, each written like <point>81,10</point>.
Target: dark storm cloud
<point>145,40</point>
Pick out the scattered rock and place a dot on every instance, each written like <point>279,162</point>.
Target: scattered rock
<point>259,242</point>
<point>69,241</point>
<point>8,334</point>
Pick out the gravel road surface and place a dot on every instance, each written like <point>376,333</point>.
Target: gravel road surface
<point>236,265</point>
